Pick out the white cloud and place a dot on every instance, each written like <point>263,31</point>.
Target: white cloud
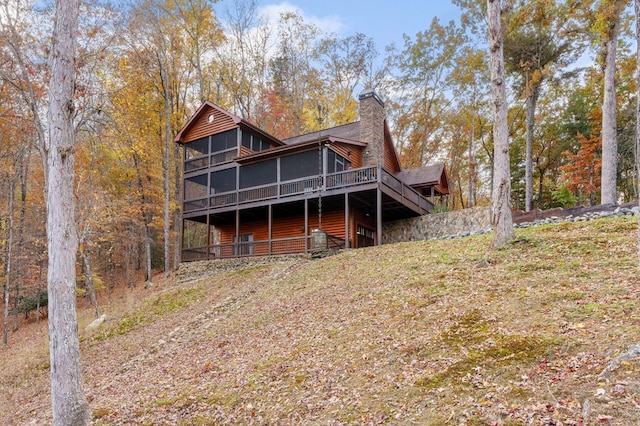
<point>328,24</point>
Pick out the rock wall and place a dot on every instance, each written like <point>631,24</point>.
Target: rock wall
<point>457,223</point>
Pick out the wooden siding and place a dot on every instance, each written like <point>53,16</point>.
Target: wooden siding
<point>201,128</point>
<point>350,152</point>
<point>389,155</point>
<point>245,151</point>
<point>287,227</point>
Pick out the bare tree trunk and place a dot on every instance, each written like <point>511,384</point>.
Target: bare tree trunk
<point>637,10</point>
<point>608,193</point>
<point>165,169</point>
<point>7,284</point>
<point>528,173</point>
<point>68,402</point>
<point>24,174</point>
<point>91,288</point>
<point>501,219</point>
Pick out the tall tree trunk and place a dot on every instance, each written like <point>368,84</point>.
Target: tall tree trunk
<point>68,402</point>
<point>7,271</point>
<point>24,174</point>
<point>501,219</point>
<point>637,10</point>
<point>167,175</point>
<point>532,99</point>
<point>608,193</point>
<point>91,288</point>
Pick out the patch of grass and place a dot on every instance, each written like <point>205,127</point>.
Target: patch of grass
<point>164,304</point>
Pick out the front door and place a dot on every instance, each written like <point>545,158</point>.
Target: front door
<point>366,237</point>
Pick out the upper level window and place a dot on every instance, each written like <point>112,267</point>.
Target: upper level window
<point>254,142</point>
<point>224,141</point>
<point>223,181</point>
<point>262,173</point>
<point>197,148</point>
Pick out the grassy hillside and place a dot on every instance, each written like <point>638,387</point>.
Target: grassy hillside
<point>429,333</point>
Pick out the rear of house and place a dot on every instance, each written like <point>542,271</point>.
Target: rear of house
<point>247,193</point>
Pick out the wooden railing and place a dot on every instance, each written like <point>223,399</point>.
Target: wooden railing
<point>271,247</point>
<point>348,178</point>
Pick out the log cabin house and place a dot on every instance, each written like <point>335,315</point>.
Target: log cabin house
<point>246,193</point>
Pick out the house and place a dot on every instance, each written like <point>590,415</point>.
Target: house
<point>246,193</point>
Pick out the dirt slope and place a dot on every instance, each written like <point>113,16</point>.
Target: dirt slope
<point>429,333</point>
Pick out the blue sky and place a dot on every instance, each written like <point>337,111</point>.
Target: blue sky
<point>383,20</point>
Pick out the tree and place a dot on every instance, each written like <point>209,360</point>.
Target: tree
<point>539,39</point>
<point>68,402</point>
<point>610,15</point>
<point>637,12</point>
<point>501,219</point>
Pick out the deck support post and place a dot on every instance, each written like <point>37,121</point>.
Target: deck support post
<point>379,215</point>
<point>346,220</point>
<point>270,207</point>
<point>208,236</point>
<point>306,224</point>
<point>236,248</point>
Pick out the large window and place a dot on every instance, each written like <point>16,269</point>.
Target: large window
<point>197,148</point>
<point>224,141</point>
<point>337,163</point>
<point>195,187</point>
<point>262,173</point>
<point>223,181</point>
<point>254,142</point>
<point>300,165</point>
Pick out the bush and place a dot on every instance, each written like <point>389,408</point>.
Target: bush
<point>27,304</point>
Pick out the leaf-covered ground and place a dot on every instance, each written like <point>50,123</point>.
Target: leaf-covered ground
<point>426,333</point>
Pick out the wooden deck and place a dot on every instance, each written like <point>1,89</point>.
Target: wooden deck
<point>353,180</point>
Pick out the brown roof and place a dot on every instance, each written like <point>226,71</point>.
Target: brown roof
<point>425,178</point>
<point>349,131</point>
<point>292,148</point>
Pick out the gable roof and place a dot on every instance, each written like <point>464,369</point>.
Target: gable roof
<point>425,178</point>
<point>205,109</point>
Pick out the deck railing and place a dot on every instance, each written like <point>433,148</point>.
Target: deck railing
<point>277,246</point>
<point>344,179</point>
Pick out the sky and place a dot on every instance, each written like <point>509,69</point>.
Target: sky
<point>383,20</point>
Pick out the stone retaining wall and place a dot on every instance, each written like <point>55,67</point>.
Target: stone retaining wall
<point>460,222</point>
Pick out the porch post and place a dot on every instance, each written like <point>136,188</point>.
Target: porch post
<point>270,226</point>
<point>346,220</point>
<point>306,224</point>
<point>236,248</point>
<point>379,215</point>
<point>208,235</point>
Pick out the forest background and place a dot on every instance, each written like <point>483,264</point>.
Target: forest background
<point>145,66</point>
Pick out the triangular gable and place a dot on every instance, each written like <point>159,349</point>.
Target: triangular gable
<point>210,119</point>
<point>207,120</point>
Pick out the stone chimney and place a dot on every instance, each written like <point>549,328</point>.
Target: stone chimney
<point>372,127</point>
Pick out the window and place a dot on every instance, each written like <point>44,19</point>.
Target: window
<point>300,165</point>
<point>195,187</point>
<point>224,141</point>
<point>253,142</point>
<point>197,148</point>
<point>223,181</point>
<point>336,162</point>
<point>243,245</point>
<point>262,173</point>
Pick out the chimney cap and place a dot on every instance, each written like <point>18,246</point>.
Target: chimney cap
<point>370,93</point>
